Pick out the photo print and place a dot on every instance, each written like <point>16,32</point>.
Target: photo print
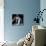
<point>17,19</point>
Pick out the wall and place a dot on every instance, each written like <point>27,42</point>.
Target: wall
<point>26,7</point>
<point>43,6</point>
<point>1,20</point>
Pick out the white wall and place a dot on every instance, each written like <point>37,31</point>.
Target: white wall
<point>1,20</point>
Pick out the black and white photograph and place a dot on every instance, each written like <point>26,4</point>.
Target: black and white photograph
<point>17,19</point>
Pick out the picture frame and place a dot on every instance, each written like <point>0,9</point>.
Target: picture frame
<point>17,19</point>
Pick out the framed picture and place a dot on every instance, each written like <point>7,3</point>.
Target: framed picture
<point>17,19</point>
